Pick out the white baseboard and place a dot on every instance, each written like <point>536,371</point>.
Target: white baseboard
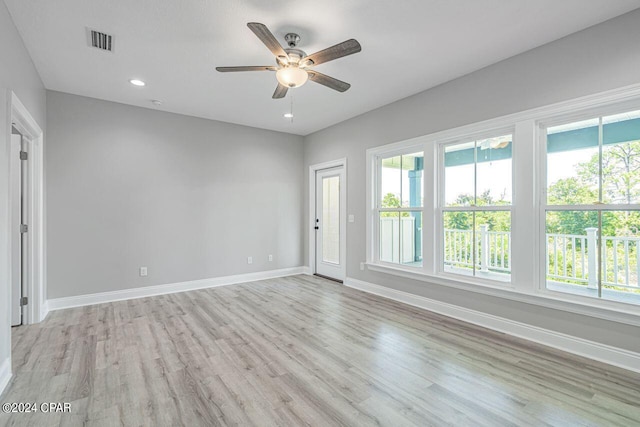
<point>5,374</point>
<point>307,270</point>
<point>581,347</point>
<point>44,310</point>
<point>147,291</point>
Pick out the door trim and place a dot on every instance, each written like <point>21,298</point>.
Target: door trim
<point>35,311</point>
<point>16,178</point>
<point>312,212</point>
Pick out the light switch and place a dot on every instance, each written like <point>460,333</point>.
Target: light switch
<point>352,218</point>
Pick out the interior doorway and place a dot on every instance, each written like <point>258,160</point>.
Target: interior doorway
<point>27,270</point>
<point>18,170</point>
<point>328,220</point>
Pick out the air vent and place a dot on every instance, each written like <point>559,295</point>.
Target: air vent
<point>100,40</point>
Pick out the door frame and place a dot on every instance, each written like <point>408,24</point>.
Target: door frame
<point>20,118</point>
<point>312,212</point>
<point>16,178</point>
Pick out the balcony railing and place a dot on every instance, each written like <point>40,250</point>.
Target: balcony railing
<point>572,258</point>
<point>492,249</point>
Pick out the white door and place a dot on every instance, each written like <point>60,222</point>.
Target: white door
<point>330,223</point>
<point>16,236</point>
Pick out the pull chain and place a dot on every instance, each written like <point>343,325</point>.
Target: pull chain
<point>291,107</point>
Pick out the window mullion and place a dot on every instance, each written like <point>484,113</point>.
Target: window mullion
<point>430,229</point>
<point>524,233</point>
<point>600,199</point>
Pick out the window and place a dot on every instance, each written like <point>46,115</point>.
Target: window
<point>555,220</point>
<point>399,209</point>
<point>476,198</point>
<point>592,210</point>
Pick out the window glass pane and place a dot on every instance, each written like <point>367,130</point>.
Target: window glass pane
<point>493,245</point>
<point>331,219</point>
<point>391,182</point>
<point>493,171</point>
<point>459,174</point>
<point>411,238</point>
<point>389,237</point>
<point>621,158</point>
<point>412,179</point>
<point>401,238</point>
<point>458,242</point>
<point>573,242</point>
<point>572,163</point>
<point>572,252</point>
<point>620,256</point>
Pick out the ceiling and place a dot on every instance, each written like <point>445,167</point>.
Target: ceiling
<point>174,45</point>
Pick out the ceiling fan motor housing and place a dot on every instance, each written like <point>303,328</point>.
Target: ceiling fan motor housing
<point>295,55</point>
<point>292,39</point>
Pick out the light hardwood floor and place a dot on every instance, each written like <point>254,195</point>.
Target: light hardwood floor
<point>300,351</point>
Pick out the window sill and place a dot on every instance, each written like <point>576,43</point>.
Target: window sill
<point>613,311</point>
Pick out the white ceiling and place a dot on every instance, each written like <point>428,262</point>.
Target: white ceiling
<point>407,46</point>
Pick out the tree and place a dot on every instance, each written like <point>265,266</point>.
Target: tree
<point>463,220</point>
<point>571,191</point>
<point>620,185</point>
<point>390,200</point>
<point>620,172</point>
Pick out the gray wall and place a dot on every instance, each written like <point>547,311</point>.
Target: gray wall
<point>18,74</point>
<point>188,198</point>
<point>603,57</point>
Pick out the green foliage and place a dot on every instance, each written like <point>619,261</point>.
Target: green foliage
<point>620,185</point>
<point>570,191</point>
<point>496,220</point>
<point>390,200</point>
<point>620,172</point>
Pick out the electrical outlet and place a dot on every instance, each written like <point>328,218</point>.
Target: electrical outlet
<point>352,218</point>
<point>270,258</point>
<point>143,271</point>
<point>250,260</point>
<point>362,266</point>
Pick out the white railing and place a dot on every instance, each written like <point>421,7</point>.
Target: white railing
<point>492,249</point>
<point>575,258</point>
<point>571,258</point>
<point>621,261</point>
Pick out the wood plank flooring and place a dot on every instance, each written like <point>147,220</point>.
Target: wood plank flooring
<point>300,351</point>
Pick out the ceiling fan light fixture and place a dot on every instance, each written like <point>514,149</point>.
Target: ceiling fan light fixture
<point>291,63</point>
<point>292,76</point>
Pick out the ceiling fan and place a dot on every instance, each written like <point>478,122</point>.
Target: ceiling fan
<point>294,66</point>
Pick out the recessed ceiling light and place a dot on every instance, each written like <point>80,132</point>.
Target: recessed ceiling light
<point>288,115</point>
<point>137,82</point>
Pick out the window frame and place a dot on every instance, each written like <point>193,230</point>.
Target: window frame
<point>375,255</point>
<point>599,207</point>
<point>442,208</point>
<point>529,186</point>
